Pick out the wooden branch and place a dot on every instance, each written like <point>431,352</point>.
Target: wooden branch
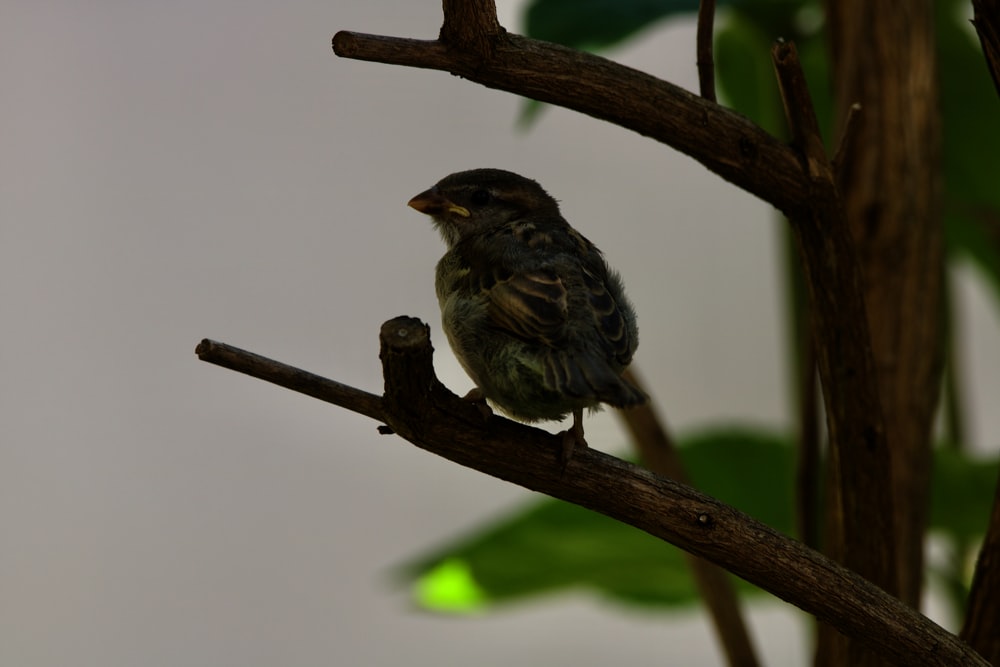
<point>986,19</point>
<point>705,60</point>
<point>807,473</point>
<point>659,453</point>
<point>420,409</point>
<point>292,378</point>
<point>982,619</point>
<point>890,177</point>
<point>842,339</point>
<point>472,26</point>
<point>724,141</point>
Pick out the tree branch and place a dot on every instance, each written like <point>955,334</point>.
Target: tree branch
<point>420,409</point>
<point>724,141</point>
<point>840,330</point>
<point>982,619</point>
<point>659,453</point>
<point>890,175</point>
<point>292,378</point>
<point>860,514</point>
<point>471,26</point>
<point>986,19</point>
<point>705,61</point>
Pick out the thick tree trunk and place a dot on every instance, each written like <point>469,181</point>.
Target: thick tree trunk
<point>889,176</point>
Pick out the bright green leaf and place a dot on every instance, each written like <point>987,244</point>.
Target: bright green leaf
<point>449,587</point>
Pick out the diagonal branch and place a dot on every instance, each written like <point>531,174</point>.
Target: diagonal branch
<point>705,60</point>
<point>724,141</point>
<point>420,409</point>
<point>292,378</point>
<point>982,618</point>
<point>861,507</point>
<point>986,19</point>
<point>659,453</point>
<point>846,361</point>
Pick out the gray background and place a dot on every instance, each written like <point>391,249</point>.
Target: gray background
<point>171,171</point>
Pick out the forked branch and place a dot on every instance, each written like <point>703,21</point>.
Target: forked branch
<point>420,409</point>
<point>726,142</point>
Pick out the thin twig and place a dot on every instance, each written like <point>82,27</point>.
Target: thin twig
<point>659,454</point>
<point>986,20</point>
<point>850,125</point>
<point>705,60</point>
<point>808,469</point>
<point>290,377</point>
<point>420,409</point>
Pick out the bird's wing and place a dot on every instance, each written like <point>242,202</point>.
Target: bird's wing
<point>607,313</point>
<point>531,304</point>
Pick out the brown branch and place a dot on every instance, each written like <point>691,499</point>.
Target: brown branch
<point>986,19</point>
<point>842,339</point>
<point>420,409</point>
<point>861,511</point>
<point>471,26</point>
<point>292,378</point>
<point>807,477</point>
<point>706,62</point>
<point>884,57</point>
<point>846,134</point>
<point>982,619</point>
<point>659,454</point>
<point>724,141</point>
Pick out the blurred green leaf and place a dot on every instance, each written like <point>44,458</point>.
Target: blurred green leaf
<point>962,494</point>
<point>592,25</point>
<point>597,24</point>
<point>552,546</point>
<point>743,61</point>
<point>745,73</point>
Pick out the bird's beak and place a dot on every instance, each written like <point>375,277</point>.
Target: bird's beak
<point>434,203</point>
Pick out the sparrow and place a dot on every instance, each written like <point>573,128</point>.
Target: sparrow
<point>531,309</point>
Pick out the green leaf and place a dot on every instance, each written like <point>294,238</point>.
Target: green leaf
<point>552,546</point>
<point>962,494</point>
<point>745,73</point>
<point>597,24</point>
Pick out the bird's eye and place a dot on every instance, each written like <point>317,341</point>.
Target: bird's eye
<point>480,197</point>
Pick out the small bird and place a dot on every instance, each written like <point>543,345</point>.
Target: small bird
<point>531,309</point>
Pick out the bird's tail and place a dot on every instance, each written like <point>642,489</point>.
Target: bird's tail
<point>590,378</point>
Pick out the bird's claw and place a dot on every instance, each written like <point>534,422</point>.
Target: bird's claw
<point>478,399</point>
<point>571,439</point>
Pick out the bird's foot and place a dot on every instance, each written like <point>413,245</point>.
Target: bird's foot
<point>572,438</point>
<point>477,398</point>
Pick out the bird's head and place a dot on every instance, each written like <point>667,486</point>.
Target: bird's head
<point>473,202</point>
